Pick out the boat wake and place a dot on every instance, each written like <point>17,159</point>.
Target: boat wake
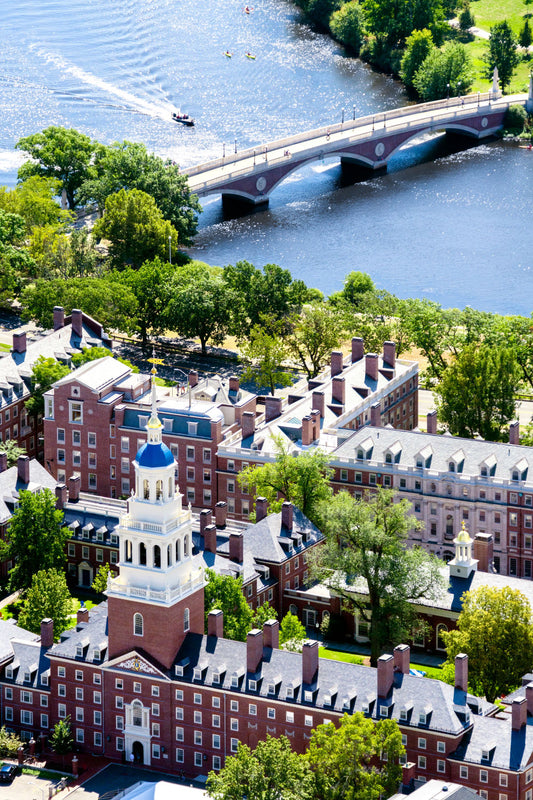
<point>131,101</point>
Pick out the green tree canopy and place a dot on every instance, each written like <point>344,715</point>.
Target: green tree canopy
<point>418,46</point>
<point>264,355</point>
<point>292,633</point>
<point>349,761</point>
<point>365,559</point>
<point>11,448</point>
<point>99,584</point>
<point>16,264</point>
<point>317,331</point>
<point>502,53</point>
<point>225,593</point>
<point>151,285</point>
<point>61,740</point>
<point>477,392</point>
<point>347,24</point>
<point>270,772</point>
<point>395,20</point>
<point>34,200</point>
<point>525,37</point>
<point>48,596</point>
<point>35,538</point>
<point>444,72</point>
<point>60,153</point>
<point>495,630</point>
<point>135,228</point>
<point>45,372</point>
<point>128,165</point>
<point>303,480</point>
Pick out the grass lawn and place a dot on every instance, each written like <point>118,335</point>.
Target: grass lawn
<point>488,12</point>
<point>519,82</point>
<point>5,347</point>
<point>45,774</point>
<point>354,658</point>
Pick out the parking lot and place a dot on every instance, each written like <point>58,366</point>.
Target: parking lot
<point>27,787</point>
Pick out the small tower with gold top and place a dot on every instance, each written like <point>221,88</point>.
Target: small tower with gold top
<point>463,564</point>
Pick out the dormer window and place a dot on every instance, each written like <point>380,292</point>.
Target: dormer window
<point>290,693</point>
<point>252,685</point>
<point>388,458</point>
<point>360,455</point>
<point>451,466</point>
<point>403,714</point>
<point>422,718</point>
<point>192,428</point>
<point>515,475</point>
<point>484,472</point>
<point>419,462</point>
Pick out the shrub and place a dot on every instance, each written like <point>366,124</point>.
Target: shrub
<point>515,119</point>
<point>9,744</point>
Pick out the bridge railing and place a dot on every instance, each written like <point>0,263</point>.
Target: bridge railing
<point>347,125</point>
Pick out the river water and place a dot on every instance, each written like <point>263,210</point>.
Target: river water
<point>457,229</point>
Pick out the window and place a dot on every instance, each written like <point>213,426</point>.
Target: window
<point>234,745</point>
<point>441,765</point>
<point>136,687</point>
<point>179,735</point>
<point>252,710</point>
<point>441,747</point>
<point>97,717</point>
<point>155,729</point>
<point>422,762</point>
<point>483,776</point>
<point>61,690</point>
<point>9,714</point>
<point>79,693</point>
<point>61,710</point>
<point>289,716</point>
<point>138,625</point>
<point>234,724</point>
<point>197,717</point>
<point>503,779</point>
<point>119,744</point>
<point>180,755</point>
<point>179,695</point>
<point>26,717</point>
<point>216,721</point>
<point>9,693</point>
<point>80,735</point>
<point>463,772</point>
<point>190,453</point>
<point>75,411</point>
<point>217,763</point>
<point>186,620</point>
<point>308,720</point>
<point>155,709</point>
<point>344,474</point>
<point>198,737</point>
<point>198,699</point>
<point>79,714</point>
<point>234,705</point>
<point>125,466</point>
<point>119,702</point>
<point>44,720</point>
<point>421,743</point>
<point>179,713</point>
<point>271,713</point>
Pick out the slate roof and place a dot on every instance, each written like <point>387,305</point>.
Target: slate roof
<point>508,749</point>
<point>88,635</point>
<point>9,631</point>
<point>11,485</point>
<point>438,790</point>
<point>29,658</point>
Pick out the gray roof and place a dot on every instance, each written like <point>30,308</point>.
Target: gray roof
<point>11,485</point>
<point>98,374</point>
<point>9,631</point>
<point>29,660</point>
<point>506,749</point>
<point>88,635</point>
<point>438,790</point>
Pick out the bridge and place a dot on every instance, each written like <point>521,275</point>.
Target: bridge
<point>366,143</point>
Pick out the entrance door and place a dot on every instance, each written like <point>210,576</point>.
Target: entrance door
<point>86,577</point>
<point>138,753</point>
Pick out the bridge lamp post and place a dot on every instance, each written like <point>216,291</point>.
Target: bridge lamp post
<point>447,91</point>
<point>342,118</point>
<point>354,113</point>
<point>170,250</point>
<point>235,145</point>
<point>478,98</point>
<point>224,150</point>
<point>459,88</point>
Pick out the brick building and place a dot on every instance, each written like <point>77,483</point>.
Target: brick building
<point>139,678</point>
<point>71,335</point>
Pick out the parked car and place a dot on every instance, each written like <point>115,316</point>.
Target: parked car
<point>7,772</point>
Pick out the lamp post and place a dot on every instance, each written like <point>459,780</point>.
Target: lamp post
<point>235,145</point>
<point>224,150</point>
<point>478,97</point>
<point>447,91</point>
<point>354,113</point>
<point>459,88</point>
<point>170,249</point>
<point>342,119</point>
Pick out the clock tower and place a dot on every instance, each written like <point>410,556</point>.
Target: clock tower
<point>159,595</point>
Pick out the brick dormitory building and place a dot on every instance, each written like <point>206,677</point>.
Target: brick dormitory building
<point>137,676</point>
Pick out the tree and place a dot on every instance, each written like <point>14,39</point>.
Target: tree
<point>60,153</point>
<point>502,53</point>
<point>270,772</point>
<point>444,72</point>
<point>418,46</point>
<point>94,353</point>
<point>199,305</point>
<point>524,37</point>
<point>99,584</point>
<point>317,331</point>
<point>303,480</point>
<point>292,633</point>
<point>225,593</point>
<point>358,289</point>
<point>136,229</point>
<point>395,20</point>
<point>262,614</point>
<point>264,355</point>
<point>9,743</point>
<point>349,761</point>
<point>48,596</point>
<point>15,261</point>
<point>347,24</point>
<point>151,285</point>
<point>128,165</point>
<point>466,18</point>
<point>476,395</point>
<point>366,561</point>
<point>61,740</point>
<point>35,538</point>
<point>45,372</point>
<point>34,200</point>
<point>495,630</point>
<point>11,448</point>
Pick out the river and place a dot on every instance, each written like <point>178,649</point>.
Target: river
<point>456,229</point>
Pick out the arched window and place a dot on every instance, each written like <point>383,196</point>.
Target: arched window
<point>137,713</point>
<point>142,554</point>
<point>157,556</point>
<point>440,641</point>
<point>158,490</point>
<point>186,620</point>
<point>447,556</point>
<point>388,458</point>
<point>146,489</point>
<point>171,487</point>
<point>178,557</point>
<point>451,466</point>
<point>169,556</point>
<point>185,547</point>
<point>138,625</point>
<point>128,551</point>
<point>293,610</point>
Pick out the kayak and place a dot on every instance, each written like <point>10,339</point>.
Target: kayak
<point>250,56</point>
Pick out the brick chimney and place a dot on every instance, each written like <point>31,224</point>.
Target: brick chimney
<point>309,661</point>
<point>385,674</point>
<point>336,362</point>
<point>431,421</point>
<point>76,321</point>
<point>402,658</point>
<point>315,416</point>
<point>47,632</point>
<point>272,407</point>
<point>514,429</point>
<point>261,508</point>
<point>234,383</point>
<point>82,615</point>
<point>372,366</point>
<point>461,672</point>
<point>210,538</point>
<point>61,495</point>
<point>408,775</point>
<point>74,483</point>
<point>3,462</point>
<point>375,415</point>
<point>59,317</point>
<point>287,513</point>
<point>519,714</point>
<point>254,650</point>
<point>483,551</point>
<point>19,342</point>
<point>318,399</point>
<point>389,353</point>
<point>236,546</point>
<point>271,634</point>
<point>205,519</point>
<point>529,698</point>
<point>215,623</point>
<point>358,348</point>
<point>221,513</point>
<point>193,378</point>
<point>307,430</point>
<point>338,389</point>
<point>247,424</point>
<point>23,469</point>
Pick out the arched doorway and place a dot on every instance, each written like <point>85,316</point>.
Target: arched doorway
<point>138,753</point>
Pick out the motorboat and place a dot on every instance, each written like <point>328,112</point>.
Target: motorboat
<point>185,119</point>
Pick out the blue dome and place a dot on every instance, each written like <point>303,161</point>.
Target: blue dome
<point>154,455</point>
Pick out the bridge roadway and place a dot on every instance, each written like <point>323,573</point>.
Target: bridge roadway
<point>366,143</point>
